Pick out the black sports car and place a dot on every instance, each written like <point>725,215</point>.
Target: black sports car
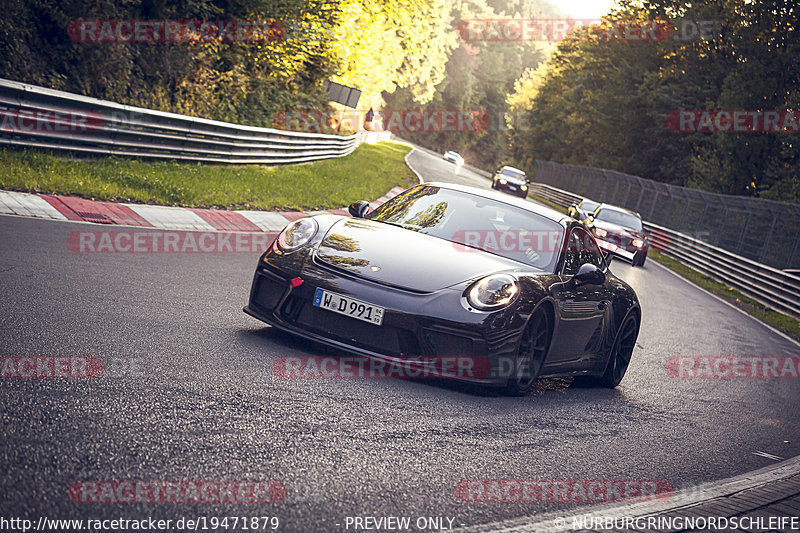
<point>620,232</point>
<point>511,180</point>
<point>443,270</point>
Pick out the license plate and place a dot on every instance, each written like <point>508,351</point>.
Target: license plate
<point>344,305</point>
<point>513,188</point>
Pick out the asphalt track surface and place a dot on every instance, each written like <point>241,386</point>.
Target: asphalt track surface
<point>194,397</point>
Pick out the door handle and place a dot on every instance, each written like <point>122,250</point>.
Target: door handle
<point>601,306</point>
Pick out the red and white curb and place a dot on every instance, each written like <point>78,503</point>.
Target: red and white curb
<point>76,209</point>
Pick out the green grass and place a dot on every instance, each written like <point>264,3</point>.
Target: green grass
<point>779,321</point>
<point>548,203</point>
<point>365,174</point>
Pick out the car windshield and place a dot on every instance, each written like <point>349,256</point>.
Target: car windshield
<point>477,222</point>
<point>588,206</point>
<point>620,218</point>
<point>512,173</point>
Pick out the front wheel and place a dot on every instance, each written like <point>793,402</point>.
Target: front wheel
<point>532,351</point>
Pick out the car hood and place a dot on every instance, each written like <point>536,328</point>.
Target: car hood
<point>617,229</point>
<point>404,258</point>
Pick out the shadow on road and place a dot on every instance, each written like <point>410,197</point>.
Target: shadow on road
<point>292,343</point>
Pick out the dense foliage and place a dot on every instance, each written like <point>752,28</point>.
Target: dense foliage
<point>602,103</point>
<point>607,104</point>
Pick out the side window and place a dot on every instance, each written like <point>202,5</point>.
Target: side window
<point>581,249</point>
<point>572,259</point>
<point>590,252</point>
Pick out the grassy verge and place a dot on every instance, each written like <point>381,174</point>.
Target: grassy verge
<point>548,203</point>
<point>779,321</point>
<point>366,174</point>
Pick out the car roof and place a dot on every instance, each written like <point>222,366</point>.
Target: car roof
<point>620,209</point>
<point>540,210</point>
<point>506,167</point>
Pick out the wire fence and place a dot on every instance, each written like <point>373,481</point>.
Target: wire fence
<point>765,231</point>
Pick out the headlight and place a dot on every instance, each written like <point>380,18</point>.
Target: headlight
<point>638,243</point>
<point>600,232</point>
<point>493,292</point>
<point>502,181</point>
<point>297,234</point>
<point>524,188</point>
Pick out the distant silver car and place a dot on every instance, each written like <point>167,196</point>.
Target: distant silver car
<point>454,157</point>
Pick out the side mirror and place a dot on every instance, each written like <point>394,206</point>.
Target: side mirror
<point>359,209</point>
<point>588,274</point>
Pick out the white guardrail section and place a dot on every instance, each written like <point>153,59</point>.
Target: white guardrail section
<point>45,118</point>
<point>776,289</point>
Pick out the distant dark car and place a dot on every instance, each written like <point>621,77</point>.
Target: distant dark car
<point>443,270</point>
<point>454,157</point>
<point>511,180</point>
<point>620,232</point>
<point>582,210</point>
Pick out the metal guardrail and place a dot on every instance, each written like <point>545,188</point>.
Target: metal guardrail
<point>776,289</point>
<point>45,118</point>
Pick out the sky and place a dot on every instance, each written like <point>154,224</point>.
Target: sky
<point>584,9</point>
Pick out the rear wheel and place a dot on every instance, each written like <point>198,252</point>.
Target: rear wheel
<point>531,354</point>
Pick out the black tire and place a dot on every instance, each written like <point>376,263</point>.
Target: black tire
<point>643,259</point>
<point>530,356</point>
<point>637,260</point>
<point>620,355</point>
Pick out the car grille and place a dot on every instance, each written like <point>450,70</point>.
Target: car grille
<point>268,292</point>
<point>384,339</point>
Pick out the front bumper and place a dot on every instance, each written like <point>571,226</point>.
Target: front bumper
<point>511,188</point>
<point>415,327</point>
<point>625,253</point>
